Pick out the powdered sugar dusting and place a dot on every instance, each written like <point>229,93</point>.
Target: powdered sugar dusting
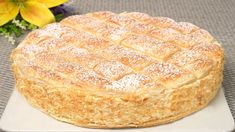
<point>121,20</point>
<point>184,27</point>
<point>140,28</point>
<point>79,55</point>
<point>165,34</point>
<point>187,57</point>
<point>196,62</point>
<point>201,36</point>
<point>112,69</point>
<point>129,82</point>
<point>139,16</point>
<point>54,30</point>
<point>74,51</point>
<point>150,45</point>
<point>120,52</point>
<point>88,77</point>
<point>208,48</point>
<point>78,19</point>
<point>127,56</point>
<point>32,49</point>
<point>162,22</point>
<point>162,70</point>
<point>118,33</point>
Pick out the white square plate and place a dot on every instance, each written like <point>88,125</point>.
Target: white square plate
<point>20,116</point>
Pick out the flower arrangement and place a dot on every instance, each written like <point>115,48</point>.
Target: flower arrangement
<point>19,16</point>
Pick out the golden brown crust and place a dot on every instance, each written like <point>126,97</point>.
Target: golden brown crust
<point>107,70</point>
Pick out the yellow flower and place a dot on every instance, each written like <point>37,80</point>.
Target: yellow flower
<point>33,11</point>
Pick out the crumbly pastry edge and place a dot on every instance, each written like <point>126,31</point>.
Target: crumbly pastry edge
<point>212,81</point>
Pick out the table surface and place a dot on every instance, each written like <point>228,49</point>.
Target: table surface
<point>216,16</point>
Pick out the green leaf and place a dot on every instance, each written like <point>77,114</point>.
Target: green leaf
<point>15,30</point>
<point>59,17</point>
<point>32,26</point>
<point>24,23</point>
<point>3,30</point>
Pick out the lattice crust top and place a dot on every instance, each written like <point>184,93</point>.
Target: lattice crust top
<point>122,52</point>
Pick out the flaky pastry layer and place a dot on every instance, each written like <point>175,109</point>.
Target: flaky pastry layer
<point>107,70</point>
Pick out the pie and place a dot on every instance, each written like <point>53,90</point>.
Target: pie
<point>107,70</point>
